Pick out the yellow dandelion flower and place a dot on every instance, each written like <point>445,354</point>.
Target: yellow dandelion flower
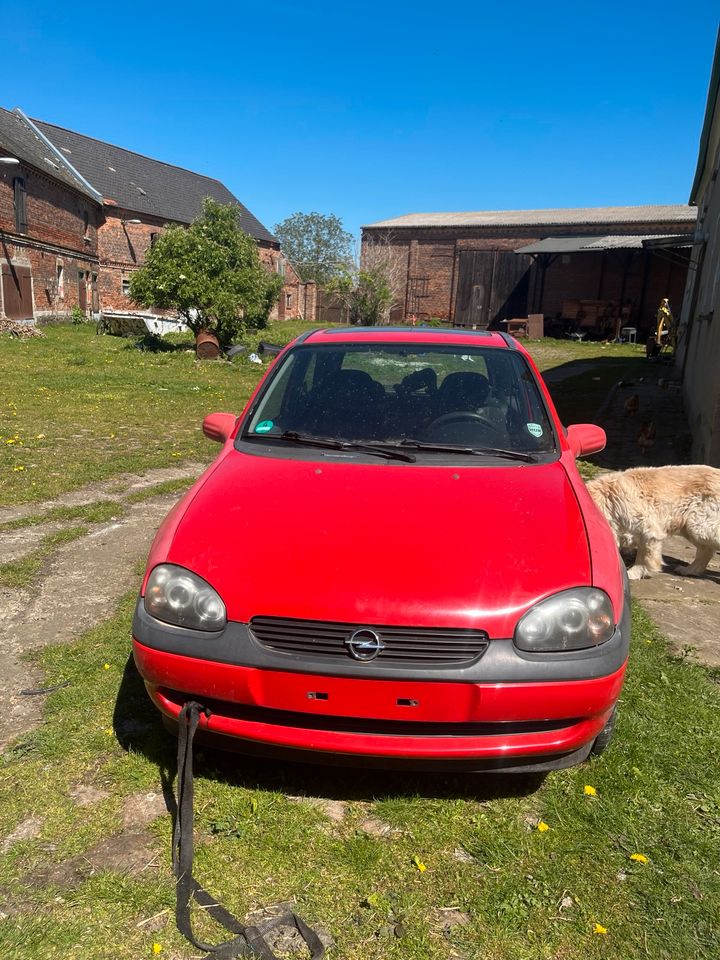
<point>419,864</point>
<point>639,857</point>
<point>106,666</point>
<point>39,436</point>
<point>157,948</point>
<point>589,791</point>
<point>599,929</point>
<point>109,731</point>
<point>18,468</point>
<point>542,826</point>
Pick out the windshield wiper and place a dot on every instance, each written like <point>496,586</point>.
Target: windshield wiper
<point>333,443</point>
<point>471,451</point>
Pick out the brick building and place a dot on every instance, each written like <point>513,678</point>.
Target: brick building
<point>482,268</point>
<point>100,207</point>
<point>48,226</point>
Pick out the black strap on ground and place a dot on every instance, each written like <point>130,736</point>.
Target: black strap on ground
<point>247,941</point>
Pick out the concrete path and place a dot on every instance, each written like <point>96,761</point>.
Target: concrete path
<point>80,586</point>
<point>685,609</point>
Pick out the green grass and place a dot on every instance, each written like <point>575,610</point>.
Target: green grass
<point>261,839</point>
<point>159,489</point>
<point>78,407</point>
<point>98,512</point>
<point>21,572</point>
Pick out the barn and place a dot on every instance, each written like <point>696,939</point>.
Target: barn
<point>588,269</point>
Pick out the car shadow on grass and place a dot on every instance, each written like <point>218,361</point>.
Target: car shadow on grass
<point>139,728</point>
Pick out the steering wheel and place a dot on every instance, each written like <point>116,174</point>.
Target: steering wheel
<point>462,416</point>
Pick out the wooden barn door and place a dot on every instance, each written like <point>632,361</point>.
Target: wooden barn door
<point>511,281</point>
<point>17,292</point>
<point>474,287</point>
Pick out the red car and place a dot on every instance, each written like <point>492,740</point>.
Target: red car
<point>393,558</point>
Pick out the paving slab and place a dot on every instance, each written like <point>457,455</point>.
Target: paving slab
<point>685,609</point>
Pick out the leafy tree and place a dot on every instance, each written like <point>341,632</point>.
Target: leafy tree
<point>371,290</point>
<point>211,273</point>
<point>316,244</point>
<point>366,293</point>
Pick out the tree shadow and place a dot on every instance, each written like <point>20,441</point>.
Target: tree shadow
<point>153,343</point>
<point>139,728</point>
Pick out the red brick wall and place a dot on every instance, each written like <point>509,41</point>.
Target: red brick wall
<point>123,248</point>
<point>54,212</point>
<point>56,236</point>
<point>432,261</point>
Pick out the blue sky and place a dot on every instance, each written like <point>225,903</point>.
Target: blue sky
<point>376,109</point>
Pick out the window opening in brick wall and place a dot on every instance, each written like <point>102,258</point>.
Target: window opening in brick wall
<point>288,301</point>
<point>20,205</point>
<point>86,223</point>
<point>60,281</point>
<point>153,239</point>
<point>125,286</point>
<point>417,292</point>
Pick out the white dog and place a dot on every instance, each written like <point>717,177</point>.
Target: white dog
<point>648,504</point>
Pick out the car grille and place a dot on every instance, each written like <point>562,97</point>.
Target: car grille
<point>420,645</point>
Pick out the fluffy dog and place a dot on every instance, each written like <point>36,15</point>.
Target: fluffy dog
<point>648,504</point>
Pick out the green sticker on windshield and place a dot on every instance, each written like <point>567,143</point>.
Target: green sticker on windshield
<point>535,429</point>
<point>265,426</point>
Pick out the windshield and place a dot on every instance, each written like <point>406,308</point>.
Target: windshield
<point>396,393</point>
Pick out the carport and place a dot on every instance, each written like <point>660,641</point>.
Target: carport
<point>599,284</point>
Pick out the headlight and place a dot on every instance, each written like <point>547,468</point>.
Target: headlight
<point>178,596</point>
<point>571,620</point>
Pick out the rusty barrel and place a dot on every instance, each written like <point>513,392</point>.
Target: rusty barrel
<point>207,346</point>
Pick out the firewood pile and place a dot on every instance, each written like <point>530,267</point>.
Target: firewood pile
<point>21,330</point>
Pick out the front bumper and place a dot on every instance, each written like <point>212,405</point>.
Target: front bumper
<point>487,725</point>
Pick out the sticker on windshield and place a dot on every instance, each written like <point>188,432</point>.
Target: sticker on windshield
<point>535,429</point>
<point>265,426</point>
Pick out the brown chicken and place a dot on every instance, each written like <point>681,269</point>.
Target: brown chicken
<point>632,405</point>
<point>646,437</point>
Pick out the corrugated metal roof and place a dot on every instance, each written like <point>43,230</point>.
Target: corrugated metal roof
<point>143,185</point>
<point>579,216</point>
<point>20,140</point>
<point>576,244</point>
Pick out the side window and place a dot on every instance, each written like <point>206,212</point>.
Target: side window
<point>20,205</point>
<point>268,414</point>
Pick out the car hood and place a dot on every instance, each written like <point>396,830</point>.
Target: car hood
<point>382,542</point>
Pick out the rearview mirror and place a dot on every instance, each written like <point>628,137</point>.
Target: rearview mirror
<point>586,438</point>
<point>219,426</point>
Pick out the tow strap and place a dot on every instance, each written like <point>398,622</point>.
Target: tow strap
<point>247,941</point>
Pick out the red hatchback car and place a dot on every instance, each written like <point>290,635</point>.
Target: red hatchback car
<point>393,558</point>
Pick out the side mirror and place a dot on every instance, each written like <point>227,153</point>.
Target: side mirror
<point>219,426</point>
<point>586,438</point>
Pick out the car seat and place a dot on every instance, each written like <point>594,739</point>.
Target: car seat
<point>347,403</point>
<point>461,391</point>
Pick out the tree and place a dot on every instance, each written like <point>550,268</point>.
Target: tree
<point>371,290</point>
<point>316,244</point>
<point>211,273</point>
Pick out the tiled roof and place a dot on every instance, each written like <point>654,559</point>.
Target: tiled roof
<point>20,140</point>
<point>581,216</point>
<point>143,185</point>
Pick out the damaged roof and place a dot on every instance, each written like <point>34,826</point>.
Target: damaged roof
<point>142,185</point>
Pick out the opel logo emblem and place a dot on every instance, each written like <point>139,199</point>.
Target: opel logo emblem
<point>364,644</point>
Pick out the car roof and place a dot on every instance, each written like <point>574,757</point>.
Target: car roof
<point>434,335</point>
